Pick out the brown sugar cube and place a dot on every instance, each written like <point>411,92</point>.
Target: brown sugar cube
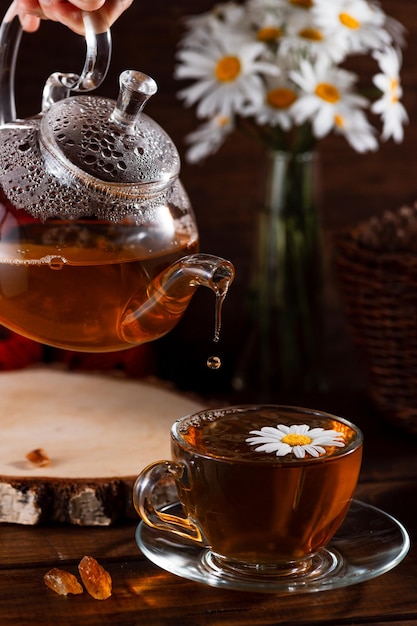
<point>95,578</point>
<point>62,582</point>
<point>38,457</point>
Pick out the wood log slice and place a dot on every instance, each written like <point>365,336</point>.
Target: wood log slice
<point>96,432</point>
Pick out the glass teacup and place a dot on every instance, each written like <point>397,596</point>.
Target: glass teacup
<point>262,488</point>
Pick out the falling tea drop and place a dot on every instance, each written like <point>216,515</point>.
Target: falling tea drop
<point>214,362</point>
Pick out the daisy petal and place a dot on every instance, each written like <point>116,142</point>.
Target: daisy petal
<point>297,439</point>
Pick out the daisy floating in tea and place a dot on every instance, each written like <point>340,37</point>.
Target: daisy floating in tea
<point>297,439</point>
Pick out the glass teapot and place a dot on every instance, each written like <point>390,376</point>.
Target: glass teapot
<point>98,240</point>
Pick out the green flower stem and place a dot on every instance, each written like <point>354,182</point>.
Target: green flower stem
<point>285,301</point>
<point>298,140</point>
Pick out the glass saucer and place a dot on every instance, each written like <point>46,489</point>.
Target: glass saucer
<point>369,543</point>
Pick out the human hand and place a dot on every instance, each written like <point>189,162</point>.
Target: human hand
<point>68,12</point>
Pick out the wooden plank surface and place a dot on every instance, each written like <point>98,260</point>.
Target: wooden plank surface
<point>145,594</point>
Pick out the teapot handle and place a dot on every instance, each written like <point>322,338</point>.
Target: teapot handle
<point>59,85</point>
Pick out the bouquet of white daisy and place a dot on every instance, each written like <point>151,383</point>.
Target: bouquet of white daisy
<point>280,70</point>
<point>276,66</point>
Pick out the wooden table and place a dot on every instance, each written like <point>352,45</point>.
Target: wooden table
<point>145,595</point>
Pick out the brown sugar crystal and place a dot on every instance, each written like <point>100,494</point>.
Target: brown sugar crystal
<point>38,457</point>
<point>62,582</point>
<point>95,578</point>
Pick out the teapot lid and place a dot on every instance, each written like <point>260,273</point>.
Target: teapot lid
<point>102,142</point>
<point>90,155</point>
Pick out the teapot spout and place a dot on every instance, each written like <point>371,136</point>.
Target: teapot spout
<point>154,312</point>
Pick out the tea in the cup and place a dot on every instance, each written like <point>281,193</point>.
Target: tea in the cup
<point>263,487</point>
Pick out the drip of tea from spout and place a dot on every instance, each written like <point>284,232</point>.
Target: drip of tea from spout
<point>221,288</point>
<point>214,362</point>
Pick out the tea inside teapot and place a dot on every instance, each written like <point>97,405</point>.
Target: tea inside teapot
<point>98,239</point>
<point>68,283</point>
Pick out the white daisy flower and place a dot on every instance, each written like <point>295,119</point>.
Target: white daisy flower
<point>358,23</point>
<point>228,76</point>
<point>392,112</point>
<point>280,96</point>
<point>294,6</point>
<point>232,22</point>
<point>327,90</point>
<point>269,29</point>
<point>230,13</point>
<point>276,63</point>
<point>396,30</point>
<point>298,439</point>
<point>258,9</point>
<point>228,20</point>
<point>356,129</point>
<point>389,61</point>
<point>267,14</point>
<point>208,138</point>
<point>394,116</point>
<point>303,34</point>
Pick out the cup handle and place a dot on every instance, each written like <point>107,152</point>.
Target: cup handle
<point>145,492</point>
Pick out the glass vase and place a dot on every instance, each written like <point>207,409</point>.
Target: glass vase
<point>283,346</point>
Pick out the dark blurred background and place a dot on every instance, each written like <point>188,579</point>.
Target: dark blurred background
<point>227,189</point>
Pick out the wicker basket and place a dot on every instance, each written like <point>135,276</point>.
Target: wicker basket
<point>377,270</point>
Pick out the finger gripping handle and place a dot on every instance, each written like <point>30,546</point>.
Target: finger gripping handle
<point>145,492</point>
<point>58,85</point>
<point>97,60</point>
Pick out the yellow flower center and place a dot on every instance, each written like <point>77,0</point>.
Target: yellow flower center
<point>223,120</point>
<point>281,98</point>
<point>296,440</point>
<point>227,69</point>
<point>394,84</point>
<point>327,92</point>
<point>311,33</point>
<point>349,21</point>
<point>305,4</point>
<point>269,33</point>
<point>339,120</point>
